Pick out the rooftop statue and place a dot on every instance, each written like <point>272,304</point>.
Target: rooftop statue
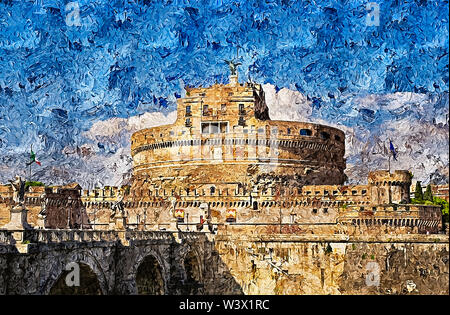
<point>233,65</point>
<point>18,186</point>
<point>118,207</point>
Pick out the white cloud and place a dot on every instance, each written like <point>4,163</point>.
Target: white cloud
<point>418,128</point>
<point>123,127</point>
<point>287,104</point>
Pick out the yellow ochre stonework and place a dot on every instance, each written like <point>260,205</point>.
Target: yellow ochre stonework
<point>227,201</point>
<point>224,161</point>
<point>224,153</point>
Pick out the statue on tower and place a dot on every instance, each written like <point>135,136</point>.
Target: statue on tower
<point>233,65</point>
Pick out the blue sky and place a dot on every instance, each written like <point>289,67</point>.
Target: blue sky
<point>66,65</point>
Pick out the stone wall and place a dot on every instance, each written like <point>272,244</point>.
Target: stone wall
<point>193,263</point>
<point>289,265</point>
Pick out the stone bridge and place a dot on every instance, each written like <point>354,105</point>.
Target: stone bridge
<point>37,261</point>
<point>110,262</point>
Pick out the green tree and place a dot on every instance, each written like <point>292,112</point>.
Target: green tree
<point>418,194</point>
<point>444,207</point>
<point>428,194</point>
<point>32,183</point>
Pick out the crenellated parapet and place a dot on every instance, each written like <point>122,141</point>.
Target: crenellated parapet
<point>413,218</point>
<point>387,187</point>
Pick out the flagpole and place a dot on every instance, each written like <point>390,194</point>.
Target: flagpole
<point>31,150</point>
<point>389,163</point>
<point>389,156</point>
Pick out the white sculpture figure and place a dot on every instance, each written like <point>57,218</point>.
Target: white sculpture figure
<point>118,206</point>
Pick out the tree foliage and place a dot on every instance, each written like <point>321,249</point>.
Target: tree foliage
<point>428,194</point>
<point>418,193</point>
<point>33,183</point>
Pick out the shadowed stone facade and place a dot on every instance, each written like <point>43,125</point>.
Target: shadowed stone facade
<point>198,263</point>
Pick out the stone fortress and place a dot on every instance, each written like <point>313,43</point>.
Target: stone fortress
<point>226,170</point>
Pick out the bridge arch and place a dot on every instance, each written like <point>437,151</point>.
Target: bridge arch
<point>89,283</point>
<point>193,272</point>
<point>150,279</point>
<point>54,269</point>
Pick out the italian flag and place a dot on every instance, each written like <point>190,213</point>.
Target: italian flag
<point>33,159</point>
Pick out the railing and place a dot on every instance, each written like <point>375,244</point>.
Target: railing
<point>148,235</point>
<point>62,236</point>
<point>58,236</point>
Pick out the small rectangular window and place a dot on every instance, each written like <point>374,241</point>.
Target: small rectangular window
<point>289,131</point>
<point>223,107</point>
<point>205,110</point>
<point>205,128</point>
<point>325,135</point>
<point>214,128</point>
<point>305,132</point>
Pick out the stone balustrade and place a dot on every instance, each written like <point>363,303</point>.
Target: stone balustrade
<point>63,236</point>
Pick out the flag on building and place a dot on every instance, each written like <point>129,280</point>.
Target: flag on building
<point>393,151</point>
<point>33,159</point>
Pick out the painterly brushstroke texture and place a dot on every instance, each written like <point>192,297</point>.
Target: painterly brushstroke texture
<point>62,78</point>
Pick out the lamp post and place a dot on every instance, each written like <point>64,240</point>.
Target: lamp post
<point>187,221</point>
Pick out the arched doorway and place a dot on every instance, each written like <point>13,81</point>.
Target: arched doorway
<point>89,284</point>
<point>193,274</point>
<point>149,279</point>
